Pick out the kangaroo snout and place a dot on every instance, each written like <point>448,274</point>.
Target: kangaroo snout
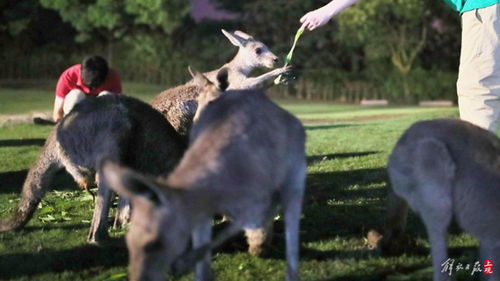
<point>271,61</point>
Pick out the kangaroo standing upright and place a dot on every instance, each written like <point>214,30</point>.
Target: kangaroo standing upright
<point>446,169</point>
<point>246,157</point>
<point>117,127</point>
<point>179,104</point>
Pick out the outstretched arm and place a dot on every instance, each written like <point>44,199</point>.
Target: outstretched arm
<point>254,82</point>
<point>58,113</point>
<point>321,16</point>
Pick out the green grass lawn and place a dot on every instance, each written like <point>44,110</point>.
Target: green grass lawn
<point>25,96</point>
<point>347,148</point>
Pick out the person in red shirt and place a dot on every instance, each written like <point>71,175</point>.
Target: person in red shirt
<point>91,78</point>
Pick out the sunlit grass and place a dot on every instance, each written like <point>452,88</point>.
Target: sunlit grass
<point>26,96</point>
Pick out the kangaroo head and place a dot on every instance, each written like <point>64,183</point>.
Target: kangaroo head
<point>254,52</point>
<point>208,90</point>
<point>159,230</point>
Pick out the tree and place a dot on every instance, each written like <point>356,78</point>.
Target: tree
<point>393,29</point>
<point>15,17</point>
<point>442,49</point>
<point>113,20</point>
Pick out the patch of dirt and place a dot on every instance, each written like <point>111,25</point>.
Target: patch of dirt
<point>362,118</point>
<point>43,118</point>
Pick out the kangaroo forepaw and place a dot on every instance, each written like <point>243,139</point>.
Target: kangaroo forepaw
<point>122,219</point>
<point>123,214</point>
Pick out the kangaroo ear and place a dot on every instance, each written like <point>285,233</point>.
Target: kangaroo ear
<point>192,72</point>
<point>243,35</point>
<point>235,39</point>
<point>199,79</point>
<point>130,184</point>
<point>222,79</point>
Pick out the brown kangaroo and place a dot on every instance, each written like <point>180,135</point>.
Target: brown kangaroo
<point>179,104</point>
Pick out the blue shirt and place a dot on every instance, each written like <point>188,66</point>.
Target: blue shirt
<point>467,5</point>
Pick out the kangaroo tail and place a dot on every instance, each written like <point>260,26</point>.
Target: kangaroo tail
<point>37,181</point>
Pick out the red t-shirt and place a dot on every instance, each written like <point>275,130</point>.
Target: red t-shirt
<point>71,79</point>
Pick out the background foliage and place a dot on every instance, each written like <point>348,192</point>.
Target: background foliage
<point>402,50</point>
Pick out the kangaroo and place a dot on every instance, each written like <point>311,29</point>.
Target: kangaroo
<point>178,104</point>
<point>256,238</point>
<point>444,169</point>
<point>246,157</point>
<point>210,91</point>
<point>116,127</point>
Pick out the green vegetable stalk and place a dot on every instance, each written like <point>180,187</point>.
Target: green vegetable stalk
<point>290,54</point>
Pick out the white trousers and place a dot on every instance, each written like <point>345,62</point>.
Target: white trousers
<point>75,96</point>
<point>478,84</point>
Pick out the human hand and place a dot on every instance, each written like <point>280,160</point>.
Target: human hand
<point>316,18</point>
<point>321,16</point>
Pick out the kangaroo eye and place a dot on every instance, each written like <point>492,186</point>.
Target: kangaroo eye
<point>258,51</point>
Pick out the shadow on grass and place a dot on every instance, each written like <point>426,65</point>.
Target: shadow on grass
<point>324,185</point>
<point>30,228</point>
<point>313,254</point>
<point>22,142</point>
<point>75,259</point>
<point>323,221</point>
<point>418,271</point>
<point>326,221</point>
<point>409,272</point>
<point>327,127</point>
<point>12,182</point>
<point>27,84</point>
<point>343,204</point>
<point>317,158</point>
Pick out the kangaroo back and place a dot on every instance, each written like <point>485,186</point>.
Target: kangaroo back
<point>96,128</point>
<point>120,128</point>
<point>447,169</point>
<point>247,125</point>
<point>178,105</point>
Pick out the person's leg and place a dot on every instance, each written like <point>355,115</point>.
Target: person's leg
<point>478,84</point>
<point>73,97</point>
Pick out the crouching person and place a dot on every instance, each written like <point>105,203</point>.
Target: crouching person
<point>91,78</point>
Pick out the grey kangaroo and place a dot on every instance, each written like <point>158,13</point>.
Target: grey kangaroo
<point>179,104</point>
<point>116,127</point>
<point>446,169</point>
<point>246,157</point>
